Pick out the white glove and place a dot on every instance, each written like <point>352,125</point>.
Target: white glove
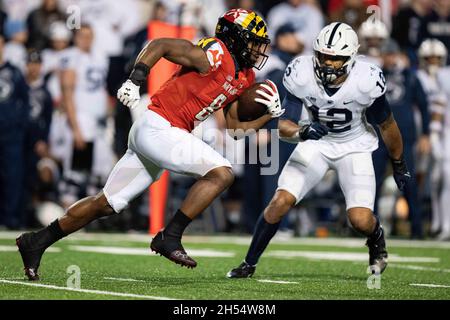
<point>271,100</point>
<point>128,94</point>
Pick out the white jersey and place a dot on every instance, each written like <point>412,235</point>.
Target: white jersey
<point>343,112</point>
<point>443,81</point>
<point>51,62</point>
<point>90,89</point>
<point>435,95</point>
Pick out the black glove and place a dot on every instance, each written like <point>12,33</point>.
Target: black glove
<point>313,131</point>
<point>401,173</point>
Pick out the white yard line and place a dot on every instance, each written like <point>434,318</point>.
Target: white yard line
<point>277,281</point>
<point>211,253</point>
<point>100,292</point>
<point>342,256</point>
<point>429,285</point>
<point>14,248</point>
<point>419,268</point>
<point>123,279</point>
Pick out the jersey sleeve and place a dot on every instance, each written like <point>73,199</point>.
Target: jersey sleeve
<point>214,52</point>
<point>292,77</point>
<point>371,83</point>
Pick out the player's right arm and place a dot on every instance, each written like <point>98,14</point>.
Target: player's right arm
<point>178,51</point>
<point>289,129</point>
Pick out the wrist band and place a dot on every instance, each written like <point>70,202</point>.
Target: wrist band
<point>139,73</point>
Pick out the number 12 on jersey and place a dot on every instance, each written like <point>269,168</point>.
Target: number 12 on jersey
<point>340,118</point>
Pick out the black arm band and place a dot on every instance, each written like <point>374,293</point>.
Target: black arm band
<point>139,73</point>
<point>379,111</point>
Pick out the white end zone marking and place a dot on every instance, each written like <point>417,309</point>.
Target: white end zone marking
<point>276,281</point>
<point>108,293</point>
<point>428,285</point>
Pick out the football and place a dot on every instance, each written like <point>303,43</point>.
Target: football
<point>248,109</point>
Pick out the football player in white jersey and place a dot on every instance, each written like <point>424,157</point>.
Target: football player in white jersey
<point>373,33</point>
<point>432,57</point>
<point>83,84</point>
<point>339,93</point>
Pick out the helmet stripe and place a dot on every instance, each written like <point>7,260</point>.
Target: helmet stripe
<point>251,26</point>
<point>330,41</point>
<point>258,27</point>
<point>248,19</point>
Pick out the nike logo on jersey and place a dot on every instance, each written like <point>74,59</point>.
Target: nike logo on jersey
<point>347,102</point>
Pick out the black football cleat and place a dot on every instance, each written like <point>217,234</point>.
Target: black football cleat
<point>172,249</point>
<point>378,256</point>
<point>31,256</point>
<point>244,270</point>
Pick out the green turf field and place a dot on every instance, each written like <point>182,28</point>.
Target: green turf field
<point>121,267</point>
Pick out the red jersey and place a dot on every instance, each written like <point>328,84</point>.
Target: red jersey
<point>189,96</point>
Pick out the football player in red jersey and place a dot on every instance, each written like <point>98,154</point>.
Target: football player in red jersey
<point>211,76</point>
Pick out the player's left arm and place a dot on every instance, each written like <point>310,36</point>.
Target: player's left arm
<point>380,113</point>
<point>238,129</point>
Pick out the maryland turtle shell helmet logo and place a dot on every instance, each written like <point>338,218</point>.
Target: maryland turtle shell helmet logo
<point>244,33</point>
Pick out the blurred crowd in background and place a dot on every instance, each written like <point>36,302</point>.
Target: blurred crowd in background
<point>62,129</point>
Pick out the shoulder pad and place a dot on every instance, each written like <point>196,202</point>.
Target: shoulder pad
<point>214,51</point>
<point>371,81</point>
<point>297,76</point>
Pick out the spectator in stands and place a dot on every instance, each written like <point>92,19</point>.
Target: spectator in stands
<point>352,12</point>
<point>19,9</point>
<point>407,25</point>
<point>39,22</point>
<point>111,22</point>
<point>36,139</point>
<point>437,23</point>
<point>307,20</point>
<point>404,92</point>
<point>15,51</point>
<point>15,109</point>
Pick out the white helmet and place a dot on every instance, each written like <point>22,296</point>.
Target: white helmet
<point>373,28</point>
<point>432,48</point>
<point>339,40</point>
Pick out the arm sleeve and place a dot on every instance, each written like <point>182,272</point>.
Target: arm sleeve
<point>421,100</point>
<point>379,111</point>
<point>293,106</point>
